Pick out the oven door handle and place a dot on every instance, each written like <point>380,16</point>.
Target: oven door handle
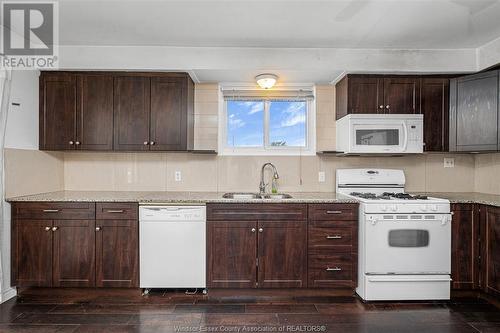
<point>405,133</point>
<point>387,279</point>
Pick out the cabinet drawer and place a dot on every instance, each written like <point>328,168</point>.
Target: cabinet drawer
<point>327,237</point>
<point>117,211</point>
<point>330,271</point>
<point>333,212</point>
<point>54,210</point>
<point>242,212</point>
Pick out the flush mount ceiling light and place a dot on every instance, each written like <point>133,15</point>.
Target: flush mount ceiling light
<point>266,81</point>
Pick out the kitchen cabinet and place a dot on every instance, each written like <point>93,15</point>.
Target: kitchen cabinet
<point>377,94</point>
<point>333,246</point>
<point>465,246</point>
<point>435,108</point>
<point>61,245</point>
<point>57,111</point>
<point>257,245</point>
<point>116,111</point>
<point>474,119</point>
<point>490,265</point>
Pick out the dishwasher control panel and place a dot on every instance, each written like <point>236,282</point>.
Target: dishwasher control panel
<point>172,213</point>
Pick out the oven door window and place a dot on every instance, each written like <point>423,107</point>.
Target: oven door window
<point>377,137</point>
<point>408,238</point>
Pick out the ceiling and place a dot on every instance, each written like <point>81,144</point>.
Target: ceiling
<point>349,24</point>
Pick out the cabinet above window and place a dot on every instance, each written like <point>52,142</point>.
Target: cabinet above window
<point>119,111</point>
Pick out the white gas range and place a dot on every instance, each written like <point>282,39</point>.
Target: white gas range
<point>404,239</point>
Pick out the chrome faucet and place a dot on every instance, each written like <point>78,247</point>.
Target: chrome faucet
<point>262,185</point>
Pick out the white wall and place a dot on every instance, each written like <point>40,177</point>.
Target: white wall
<point>21,133</point>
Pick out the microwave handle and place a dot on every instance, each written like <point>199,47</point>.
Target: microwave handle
<point>405,133</point>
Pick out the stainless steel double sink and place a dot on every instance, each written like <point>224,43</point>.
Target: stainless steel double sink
<point>249,195</point>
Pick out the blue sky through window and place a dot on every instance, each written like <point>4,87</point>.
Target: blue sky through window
<point>287,123</point>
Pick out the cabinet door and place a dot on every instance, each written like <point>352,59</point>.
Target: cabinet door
<point>95,112</point>
<point>474,112</point>
<point>434,107</point>
<point>57,111</point>
<point>464,247</point>
<point>491,262</point>
<point>32,253</point>
<point>232,254</point>
<point>131,113</point>
<point>74,253</point>
<point>402,95</point>
<point>365,95</point>
<point>168,113</point>
<point>282,250</point>
<point>117,253</point>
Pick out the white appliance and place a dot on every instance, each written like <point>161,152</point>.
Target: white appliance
<point>172,245</point>
<point>380,134</point>
<point>404,240</point>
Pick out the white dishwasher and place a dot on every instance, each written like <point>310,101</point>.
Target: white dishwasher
<point>172,246</point>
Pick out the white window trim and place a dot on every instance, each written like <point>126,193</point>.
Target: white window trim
<point>223,149</point>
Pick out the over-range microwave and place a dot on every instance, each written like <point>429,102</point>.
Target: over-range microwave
<point>380,134</point>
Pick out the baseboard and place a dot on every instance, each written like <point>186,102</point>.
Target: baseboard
<point>8,294</point>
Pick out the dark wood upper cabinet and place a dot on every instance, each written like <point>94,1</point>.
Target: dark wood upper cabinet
<point>402,95</point>
<point>132,113</point>
<point>116,111</point>
<point>359,94</point>
<point>117,268</point>
<point>282,247</point>
<point>465,246</point>
<point>474,119</point>
<point>490,266</point>
<point>232,254</point>
<point>74,253</point>
<point>435,108</point>
<point>31,257</point>
<point>95,112</point>
<point>57,111</point>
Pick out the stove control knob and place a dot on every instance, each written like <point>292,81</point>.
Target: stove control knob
<point>423,208</point>
<point>383,208</point>
<point>434,208</point>
<point>394,208</point>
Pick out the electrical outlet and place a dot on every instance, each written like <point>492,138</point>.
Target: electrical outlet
<point>321,176</point>
<point>178,176</point>
<point>449,162</point>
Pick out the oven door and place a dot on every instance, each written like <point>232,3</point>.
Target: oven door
<point>379,137</point>
<point>407,243</point>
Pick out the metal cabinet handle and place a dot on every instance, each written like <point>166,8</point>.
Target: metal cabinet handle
<point>71,143</point>
<point>146,143</point>
<point>380,106</point>
<point>47,228</point>
<point>334,212</point>
<point>97,228</point>
<point>77,143</point>
<point>51,210</point>
<point>55,228</point>
<point>152,143</point>
<point>334,237</point>
<point>334,269</point>
<point>253,229</point>
<point>261,230</point>
<point>387,106</point>
<point>115,211</point>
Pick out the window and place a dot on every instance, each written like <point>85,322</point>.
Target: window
<point>267,126</point>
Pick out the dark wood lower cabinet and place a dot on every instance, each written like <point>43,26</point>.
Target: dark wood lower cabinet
<point>74,253</point>
<point>31,253</point>
<point>465,246</point>
<point>117,253</point>
<point>282,247</point>
<point>232,252</point>
<point>490,265</point>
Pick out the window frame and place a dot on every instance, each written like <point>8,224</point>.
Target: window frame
<point>266,149</point>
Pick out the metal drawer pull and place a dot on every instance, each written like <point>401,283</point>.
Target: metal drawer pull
<point>334,237</point>
<point>253,229</point>
<point>97,228</point>
<point>50,210</point>
<point>261,230</point>
<point>47,228</point>
<point>334,212</point>
<point>55,228</point>
<point>115,211</point>
<point>334,269</point>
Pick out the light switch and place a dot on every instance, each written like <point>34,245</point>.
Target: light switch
<point>321,176</point>
<point>449,162</point>
<point>178,176</point>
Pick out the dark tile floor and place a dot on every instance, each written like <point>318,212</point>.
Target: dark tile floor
<point>251,311</point>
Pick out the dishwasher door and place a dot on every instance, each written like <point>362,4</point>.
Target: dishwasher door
<point>172,243</point>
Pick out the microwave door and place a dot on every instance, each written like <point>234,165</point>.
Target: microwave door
<point>379,138</point>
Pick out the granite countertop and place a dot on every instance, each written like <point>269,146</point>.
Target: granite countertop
<point>175,197</point>
<point>216,197</point>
